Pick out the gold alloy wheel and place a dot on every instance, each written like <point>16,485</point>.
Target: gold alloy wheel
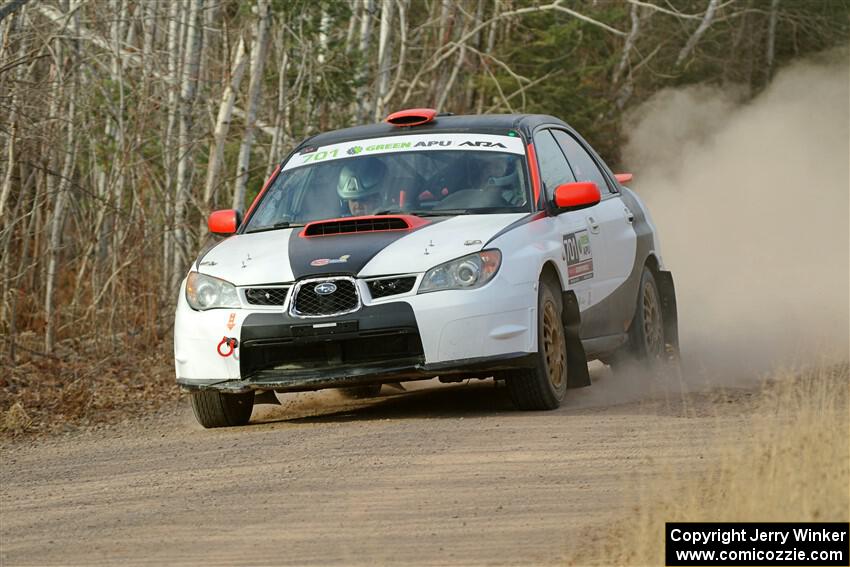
<point>652,329</point>
<point>553,345</point>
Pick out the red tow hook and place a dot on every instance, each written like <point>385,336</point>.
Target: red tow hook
<point>230,342</point>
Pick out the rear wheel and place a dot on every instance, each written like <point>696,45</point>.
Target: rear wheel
<point>361,392</point>
<point>544,386</point>
<point>216,409</point>
<point>646,343</point>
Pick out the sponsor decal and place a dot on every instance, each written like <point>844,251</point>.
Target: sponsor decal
<point>231,321</point>
<point>412,142</point>
<point>395,146</point>
<point>325,261</point>
<point>429,143</point>
<point>483,144</point>
<point>579,256</point>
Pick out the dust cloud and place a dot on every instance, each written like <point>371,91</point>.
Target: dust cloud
<point>751,202</point>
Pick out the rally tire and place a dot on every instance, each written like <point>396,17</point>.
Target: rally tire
<point>544,386</point>
<point>646,345</point>
<point>215,409</point>
<point>361,392</point>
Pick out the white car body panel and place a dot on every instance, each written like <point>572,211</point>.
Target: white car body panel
<point>250,259</point>
<point>437,243</point>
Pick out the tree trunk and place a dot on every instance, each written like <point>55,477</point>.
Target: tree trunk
<point>352,22</point>
<point>185,142</point>
<point>707,18</point>
<point>280,114</point>
<point>174,51</point>
<point>12,119</point>
<point>384,59</point>
<point>491,44</point>
<point>57,220</point>
<point>771,36</point>
<point>443,95</point>
<point>362,97</point>
<point>258,55</point>
<point>222,124</point>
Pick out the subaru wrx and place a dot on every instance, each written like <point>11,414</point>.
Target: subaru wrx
<point>497,246</point>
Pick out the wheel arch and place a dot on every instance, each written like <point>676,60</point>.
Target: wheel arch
<point>652,263</point>
<point>549,271</point>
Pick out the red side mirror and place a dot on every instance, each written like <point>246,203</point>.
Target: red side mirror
<point>623,178</point>
<point>577,195</point>
<point>223,222</point>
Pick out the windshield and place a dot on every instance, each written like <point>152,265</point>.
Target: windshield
<point>437,174</point>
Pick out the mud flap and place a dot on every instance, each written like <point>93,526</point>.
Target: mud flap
<point>667,290</point>
<point>577,373</point>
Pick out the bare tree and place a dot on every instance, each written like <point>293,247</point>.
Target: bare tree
<point>384,58</point>
<point>185,142</point>
<point>771,35</point>
<point>57,219</point>
<point>361,98</point>
<point>258,52</point>
<point>707,18</point>
<point>222,123</point>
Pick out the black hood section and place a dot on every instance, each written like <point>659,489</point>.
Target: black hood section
<point>338,253</point>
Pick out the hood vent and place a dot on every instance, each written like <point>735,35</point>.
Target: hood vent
<point>361,224</point>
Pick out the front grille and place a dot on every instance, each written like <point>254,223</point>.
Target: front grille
<point>308,303</point>
<point>266,295</point>
<point>390,286</point>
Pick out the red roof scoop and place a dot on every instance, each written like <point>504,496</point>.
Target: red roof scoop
<point>411,117</point>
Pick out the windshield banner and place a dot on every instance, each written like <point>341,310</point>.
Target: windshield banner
<point>420,142</point>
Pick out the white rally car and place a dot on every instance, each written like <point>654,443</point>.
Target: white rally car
<point>426,246</point>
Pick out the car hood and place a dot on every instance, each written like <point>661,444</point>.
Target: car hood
<point>279,256</point>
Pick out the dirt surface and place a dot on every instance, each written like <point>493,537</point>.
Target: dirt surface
<point>442,474</point>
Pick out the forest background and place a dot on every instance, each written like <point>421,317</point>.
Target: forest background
<point>123,123</point>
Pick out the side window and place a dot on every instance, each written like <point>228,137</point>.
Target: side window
<point>554,169</point>
<point>584,168</point>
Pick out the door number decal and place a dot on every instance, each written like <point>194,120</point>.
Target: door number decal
<point>579,256</point>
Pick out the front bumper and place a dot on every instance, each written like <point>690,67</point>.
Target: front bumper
<point>341,377</point>
<point>409,337</point>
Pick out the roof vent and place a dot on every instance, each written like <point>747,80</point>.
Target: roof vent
<point>411,117</point>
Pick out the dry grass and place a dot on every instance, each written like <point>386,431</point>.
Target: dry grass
<point>791,462</point>
<point>80,386</point>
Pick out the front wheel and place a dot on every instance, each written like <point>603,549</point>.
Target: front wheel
<point>216,409</point>
<point>544,386</point>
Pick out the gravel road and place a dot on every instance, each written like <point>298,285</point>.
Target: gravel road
<point>441,474</point>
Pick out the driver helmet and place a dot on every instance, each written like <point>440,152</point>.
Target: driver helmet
<point>361,179</point>
<point>495,171</point>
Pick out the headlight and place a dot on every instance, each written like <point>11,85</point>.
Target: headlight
<point>468,272</point>
<point>206,292</point>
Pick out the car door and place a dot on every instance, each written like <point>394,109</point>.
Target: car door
<point>581,243</point>
<point>612,220</point>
